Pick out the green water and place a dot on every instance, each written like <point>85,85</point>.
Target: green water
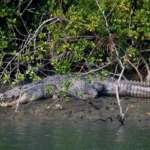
<point>32,134</point>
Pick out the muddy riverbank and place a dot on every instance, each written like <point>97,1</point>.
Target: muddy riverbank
<point>102,110</point>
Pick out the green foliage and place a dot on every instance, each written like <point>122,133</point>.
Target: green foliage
<point>50,89</point>
<point>128,21</point>
<point>133,53</point>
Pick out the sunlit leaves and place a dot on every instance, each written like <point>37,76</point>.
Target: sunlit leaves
<point>131,27</point>
<point>133,53</point>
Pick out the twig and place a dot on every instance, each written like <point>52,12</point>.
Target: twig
<point>135,68</point>
<point>98,69</point>
<point>18,102</point>
<point>147,68</point>
<point>117,95</point>
<point>145,51</point>
<point>27,6</point>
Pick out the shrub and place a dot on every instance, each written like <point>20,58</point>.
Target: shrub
<point>78,42</point>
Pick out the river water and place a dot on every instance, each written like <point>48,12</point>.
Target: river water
<point>30,134</point>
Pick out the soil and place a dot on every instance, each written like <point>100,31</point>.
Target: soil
<point>101,110</point>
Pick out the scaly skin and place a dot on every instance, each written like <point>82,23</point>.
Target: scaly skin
<point>79,87</point>
<point>128,88</point>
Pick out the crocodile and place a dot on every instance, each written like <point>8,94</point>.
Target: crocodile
<point>79,87</point>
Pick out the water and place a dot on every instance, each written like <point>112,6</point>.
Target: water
<point>34,134</point>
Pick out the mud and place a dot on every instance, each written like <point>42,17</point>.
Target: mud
<point>101,111</point>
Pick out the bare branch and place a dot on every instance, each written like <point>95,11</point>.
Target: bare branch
<point>136,69</point>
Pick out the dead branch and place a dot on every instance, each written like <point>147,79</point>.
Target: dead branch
<point>135,68</point>
<point>147,68</point>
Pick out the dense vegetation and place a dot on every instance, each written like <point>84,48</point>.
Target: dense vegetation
<point>43,37</point>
